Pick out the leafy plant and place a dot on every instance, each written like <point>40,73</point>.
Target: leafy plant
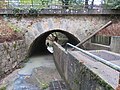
<point>3,88</point>
<point>17,11</point>
<point>116,4</point>
<point>17,29</point>
<point>45,86</point>
<point>33,11</point>
<point>113,4</point>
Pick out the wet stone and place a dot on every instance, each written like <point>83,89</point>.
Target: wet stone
<point>21,84</point>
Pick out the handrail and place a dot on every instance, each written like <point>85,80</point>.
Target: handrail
<point>17,4</point>
<point>113,66</point>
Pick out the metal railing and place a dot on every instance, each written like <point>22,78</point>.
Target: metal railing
<point>50,4</point>
<point>54,7</point>
<point>113,66</point>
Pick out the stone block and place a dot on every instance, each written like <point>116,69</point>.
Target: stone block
<point>5,45</point>
<point>1,72</point>
<point>1,47</point>
<point>1,53</point>
<point>14,64</point>
<point>4,61</point>
<point>115,44</point>
<point>11,54</point>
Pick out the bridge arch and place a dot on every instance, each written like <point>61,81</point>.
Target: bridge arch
<point>38,45</point>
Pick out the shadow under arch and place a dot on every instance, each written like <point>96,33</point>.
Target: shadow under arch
<point>38,46</point>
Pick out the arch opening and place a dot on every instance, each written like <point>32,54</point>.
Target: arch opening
<point>58,37</point>
<point>40,46</point>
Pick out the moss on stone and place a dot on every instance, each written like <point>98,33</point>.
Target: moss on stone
<point>14,45</point>
<point>76,81</point>
<point>3,88</point>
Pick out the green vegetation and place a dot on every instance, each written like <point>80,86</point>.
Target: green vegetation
<point>76,81</point>
<point>33,11</point>
<point>44,86</point>
<point>13,27</point>
<point>114,4</point>
<point>3,88</point>
<point>73,4</point>
<point>16,11</point>
<point>26,1</point>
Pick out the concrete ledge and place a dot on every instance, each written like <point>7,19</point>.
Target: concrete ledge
<point>81,73</point>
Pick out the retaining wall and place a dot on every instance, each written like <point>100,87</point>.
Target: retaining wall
<point>76,74</point>
<point>11,54</point>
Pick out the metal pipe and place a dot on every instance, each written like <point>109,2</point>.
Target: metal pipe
<point>115,67</point>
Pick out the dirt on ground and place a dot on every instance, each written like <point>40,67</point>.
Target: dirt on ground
<point>7,33</point>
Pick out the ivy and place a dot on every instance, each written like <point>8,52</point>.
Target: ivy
<point>33,11</point>
<point>17,11</point>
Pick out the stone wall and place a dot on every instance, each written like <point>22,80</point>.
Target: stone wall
<point>11,54</point>
<point>80,26</point>
<point>76,74</point>
<point>115,44</point>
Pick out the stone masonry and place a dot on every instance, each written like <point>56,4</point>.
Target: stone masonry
<point>11,54</point>
<point>79,26</point>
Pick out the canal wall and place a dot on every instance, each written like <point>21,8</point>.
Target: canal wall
<point>114,45</point>
<point>77,75</point>
<point>11,54</point>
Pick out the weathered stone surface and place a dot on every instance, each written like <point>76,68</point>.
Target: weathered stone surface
<point>11,55</point>
<point>14,64</point>
<point>79,26</point>
<point>78,74</point>
<point>115,44</point>
<point>1,47</point>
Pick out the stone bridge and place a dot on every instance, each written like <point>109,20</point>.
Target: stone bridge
<point>37,28</point>
<point>75,27</point>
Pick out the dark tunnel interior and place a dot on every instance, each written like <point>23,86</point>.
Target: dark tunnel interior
<point>38,46</point>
